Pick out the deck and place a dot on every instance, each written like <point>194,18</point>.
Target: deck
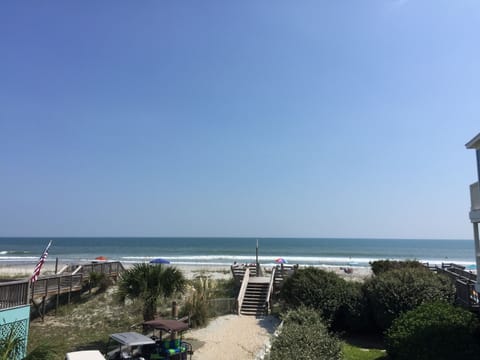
<point>69,280</point>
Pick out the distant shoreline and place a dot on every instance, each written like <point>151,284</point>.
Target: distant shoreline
<point>22,271</point>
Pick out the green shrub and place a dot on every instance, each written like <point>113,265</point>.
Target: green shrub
<point>317,289</point>
<point>381,266</point>
<point>396,291</point>
<point>305,337</point>
<point>354,314</point>
<point>437,331</point>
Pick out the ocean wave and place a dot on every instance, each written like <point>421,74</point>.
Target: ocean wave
<point>270,260</point>
<point>13,252</point>
<point>16,258</point>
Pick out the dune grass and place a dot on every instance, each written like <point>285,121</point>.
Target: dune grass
<point>84,325</point>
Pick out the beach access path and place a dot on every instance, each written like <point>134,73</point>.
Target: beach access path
<point>233,337</point>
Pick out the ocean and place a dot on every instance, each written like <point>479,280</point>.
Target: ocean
<point>219,251</point>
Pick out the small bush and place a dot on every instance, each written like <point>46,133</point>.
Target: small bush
<point>353,315</point>
<point>381,266</point>
<point>317,289</point>
<point>305,337</point>
<point>437,331</point>
<point>100,280</point>
<point>396,291</point>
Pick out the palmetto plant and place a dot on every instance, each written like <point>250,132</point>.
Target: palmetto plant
<point>148,283</point>
<point>11,346</point>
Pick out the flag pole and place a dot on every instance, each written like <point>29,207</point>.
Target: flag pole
<point>41,261</point>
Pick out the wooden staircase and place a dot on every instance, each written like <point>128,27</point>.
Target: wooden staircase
<point>255,298</point>
<point>256,292</point>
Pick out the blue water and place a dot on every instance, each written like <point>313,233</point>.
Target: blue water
<point>224,251</point>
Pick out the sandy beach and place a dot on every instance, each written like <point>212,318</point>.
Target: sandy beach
<point>20,271</point>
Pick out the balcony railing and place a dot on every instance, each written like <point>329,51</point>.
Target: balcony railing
<point>475,202</point>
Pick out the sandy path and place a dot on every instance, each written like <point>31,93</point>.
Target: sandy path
<point>233,337</point>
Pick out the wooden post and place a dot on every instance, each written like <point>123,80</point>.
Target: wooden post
<point>70,290</point>
<point>257,264</point>
<point>58,293</point>
<point>56,265</point>
<point>174,310</point>
<point>42,311</point>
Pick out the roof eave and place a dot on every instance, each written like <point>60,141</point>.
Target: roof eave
<point>474,143</point>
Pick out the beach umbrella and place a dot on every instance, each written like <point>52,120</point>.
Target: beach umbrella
<point>280,261</point>
<point>101,258</point>
<point>159,261</point>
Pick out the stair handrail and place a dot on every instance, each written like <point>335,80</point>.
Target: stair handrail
<point>63,269</point>
<point>79,267</point>
<point>243,289</point>
<point>270,290</point>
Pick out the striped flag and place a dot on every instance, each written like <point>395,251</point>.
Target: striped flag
<point>36,271</point>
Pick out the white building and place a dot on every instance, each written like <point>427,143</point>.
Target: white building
<point>475,208</point>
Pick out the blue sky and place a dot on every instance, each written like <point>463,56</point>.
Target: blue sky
<point>246,118</point>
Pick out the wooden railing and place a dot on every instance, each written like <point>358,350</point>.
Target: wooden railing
<point>464,281</point>
<point>70,279</point>
<point>268,300</point>
<point>110,268</point>
<point>14,293</point>
<point>56,284</point>
<point>243,288</point>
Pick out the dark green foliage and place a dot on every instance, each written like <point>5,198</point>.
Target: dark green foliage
<point>341,303</point>
<point>437,331</point>
<point>149,282</point>
<point>381,266</point>
<point>317,289</point>
<point>305,337</point>
<point>396,291</point>
<point>353,315</point>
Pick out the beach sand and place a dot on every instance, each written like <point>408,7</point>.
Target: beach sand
<point>21,271</point>
<point>233,337</point>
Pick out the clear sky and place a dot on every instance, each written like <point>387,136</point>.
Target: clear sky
<point>238,118</point>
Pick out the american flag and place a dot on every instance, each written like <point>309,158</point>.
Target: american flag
<point>38,267</point>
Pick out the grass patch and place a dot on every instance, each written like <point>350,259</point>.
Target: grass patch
<point>85,325</point>
<point>351,352</point>
<point>363,347</point>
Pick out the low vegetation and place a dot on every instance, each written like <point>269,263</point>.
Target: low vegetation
<point>396,291</point>
<point>351,352</point>
<point>318,289</point>
<point>418,302</point>
<point>381,266</point>
<point>83,325</point>
<point>149,283</point>
<point>436,331</point>
<point>305,336</point>
<point>87,323</point>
